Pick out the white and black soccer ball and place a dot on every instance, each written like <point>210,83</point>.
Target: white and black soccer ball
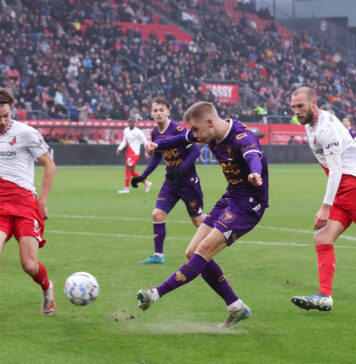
<point>81,288</point>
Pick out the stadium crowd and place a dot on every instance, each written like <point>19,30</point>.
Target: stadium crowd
<point>66,60</point>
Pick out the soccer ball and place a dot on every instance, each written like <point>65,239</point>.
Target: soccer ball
<point>81,288</point>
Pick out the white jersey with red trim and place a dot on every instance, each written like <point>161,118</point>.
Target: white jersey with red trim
<point>133,138</point>
<point>329,136</point>
<point>20,146</point>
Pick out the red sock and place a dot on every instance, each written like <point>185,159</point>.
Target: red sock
<point>41,277</point>
<point>135,174</point>
<point>326,267</point>
<point>127,177</point>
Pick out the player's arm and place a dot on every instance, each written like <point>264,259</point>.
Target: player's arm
<point>122,145</point>
<point>334,165</point>
<point>176,141</point>
<point>177,172</point>
<point>252,154</point>
<point>152,164</point>
<point>47,163</point>
<point>171,142</point>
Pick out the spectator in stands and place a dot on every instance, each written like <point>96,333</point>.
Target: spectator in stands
<point>34,60</point>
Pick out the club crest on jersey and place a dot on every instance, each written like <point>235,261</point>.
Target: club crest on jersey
<point>12,140</point>
<point>228,217</point>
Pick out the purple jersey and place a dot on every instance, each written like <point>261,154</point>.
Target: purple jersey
<point>175,157</point>
<point>352,132</point>
<point>230,153</point>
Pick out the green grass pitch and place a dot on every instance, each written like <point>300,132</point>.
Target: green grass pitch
<point>94,229</point>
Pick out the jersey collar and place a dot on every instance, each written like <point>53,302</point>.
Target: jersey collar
<point>8,127</point>
<point>228,131</point>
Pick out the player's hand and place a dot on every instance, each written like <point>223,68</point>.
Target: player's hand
<point>117,151</point>
<point>136,180</point>
<point>175,173</point>
<point>255,179</point>
<point>321,217</point>
<point>44,210</point>
<point>150,148</point>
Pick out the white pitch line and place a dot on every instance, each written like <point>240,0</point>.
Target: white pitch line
<point>186,239</point>
<point>187,222</point>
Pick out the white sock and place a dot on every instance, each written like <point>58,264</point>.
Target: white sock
<point>236,306</point>
<point>159,255</point>
<point>155,294</point>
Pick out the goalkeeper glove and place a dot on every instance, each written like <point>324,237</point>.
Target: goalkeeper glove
<point>136,180</point>
<point>175,173</point>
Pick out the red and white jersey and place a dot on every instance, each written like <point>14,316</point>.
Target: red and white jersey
<point>329,136</point>
<point>133,138</point>
<point>20,146</point>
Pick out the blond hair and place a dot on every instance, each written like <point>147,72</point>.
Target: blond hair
<point>199,110</point>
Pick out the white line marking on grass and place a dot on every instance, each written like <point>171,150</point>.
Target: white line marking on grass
<point>187,222</point>
<point>112,235</point>
<point>275,243</point>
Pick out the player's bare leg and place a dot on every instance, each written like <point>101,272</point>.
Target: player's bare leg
<point>324,240</point>
<point>28,256</point>
<point>3,238</point>
<point>197,220</point>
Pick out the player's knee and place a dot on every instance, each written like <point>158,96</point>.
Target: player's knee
<point>189,253</point>
<point>205,249</point>
<point>29,267</point>
<point>158,215</point>
<point>321,238</point>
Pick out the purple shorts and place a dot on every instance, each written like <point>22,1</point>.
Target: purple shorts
<point>235,218</point>
<point>188,191</point>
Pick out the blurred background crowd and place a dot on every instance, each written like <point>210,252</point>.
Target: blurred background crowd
<point>75,59</point>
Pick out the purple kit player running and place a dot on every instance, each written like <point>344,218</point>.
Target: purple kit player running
<point>182,181</point>
<point>238,211</point>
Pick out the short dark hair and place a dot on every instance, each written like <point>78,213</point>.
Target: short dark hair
<point>160,100</point>
<point>6,97</point>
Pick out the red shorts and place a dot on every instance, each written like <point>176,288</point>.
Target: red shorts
<point>20,214</point>
<point>344,206</point>
<point>132,159</point>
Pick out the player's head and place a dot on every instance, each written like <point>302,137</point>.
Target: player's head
<point>160,110</point>
<point>346,122</point>
<point>6,101</point>
<point>201,118</point>
<point>304,105</point>
<point>131,122</point>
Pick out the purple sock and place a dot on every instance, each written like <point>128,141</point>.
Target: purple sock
<point>159,234</point>
<point>214,276</point>
<point>183,275</point>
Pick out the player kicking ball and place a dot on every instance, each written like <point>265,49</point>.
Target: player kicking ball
<point>335,150</point>
<point>237,212</point>
<point>21,213</point>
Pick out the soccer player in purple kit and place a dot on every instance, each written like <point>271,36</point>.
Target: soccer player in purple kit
<point>347,124</point>
<point>182,181</point>
<point>238,211</point>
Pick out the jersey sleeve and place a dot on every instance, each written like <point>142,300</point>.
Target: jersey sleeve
<point>331,141</point>
<point>142,137</point>
<point>123,142</point>
<point>36,144</point>
<point>246,143</point>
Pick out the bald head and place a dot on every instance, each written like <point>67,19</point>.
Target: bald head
<point>304,105</point>
<point>305,90</point>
